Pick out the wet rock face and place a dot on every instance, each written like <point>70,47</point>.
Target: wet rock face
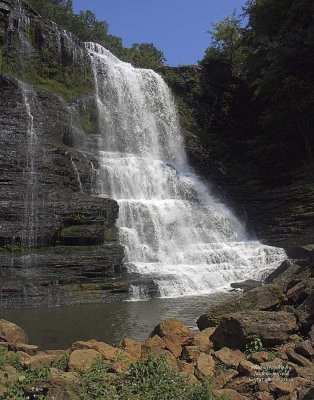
<point>54,234</point>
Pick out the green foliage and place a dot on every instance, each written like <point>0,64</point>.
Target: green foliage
<point>226,42</point>
<point>255,345</point>
<point>145,55</point>
<point>220,365</point>
<point>25,379</point>
<point>62,364</point>
<point>257,91</point>
<point>9,358</point>
<point>148,379</point>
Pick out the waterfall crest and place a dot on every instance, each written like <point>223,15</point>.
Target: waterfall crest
<point>175,232</point>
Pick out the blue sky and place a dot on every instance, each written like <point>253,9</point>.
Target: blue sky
<point>177,27</point>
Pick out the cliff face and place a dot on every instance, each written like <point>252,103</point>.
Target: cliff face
<point>277,204</point>
<point>58,241</point>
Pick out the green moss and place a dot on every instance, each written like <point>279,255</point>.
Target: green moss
<point>89,119</point>
<point>111,234</point>
<point>68,92</point>
<point>73,231</point>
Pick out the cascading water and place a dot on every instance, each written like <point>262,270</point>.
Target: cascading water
<point>174,231</point>
<point>30,201</point>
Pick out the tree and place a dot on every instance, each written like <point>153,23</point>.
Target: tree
<point>226,42</point>
<point>146,55</point>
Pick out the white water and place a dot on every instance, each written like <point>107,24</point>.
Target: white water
<point>30,200</point>
<point>174,231</point>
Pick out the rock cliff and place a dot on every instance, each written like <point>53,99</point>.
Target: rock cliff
<point>58,241</point>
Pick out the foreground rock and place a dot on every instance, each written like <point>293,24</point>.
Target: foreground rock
<point>284,371</point>
<point>12,333</point>
<point>262,298</point>
<point>239,329</point>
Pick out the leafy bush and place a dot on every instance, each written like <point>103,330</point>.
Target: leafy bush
<point>148,379</point>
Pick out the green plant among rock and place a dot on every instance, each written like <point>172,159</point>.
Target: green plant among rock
<point>254,346</point>
<point>220,365</point>
<point>148,379</point>
<point>62,364</point>
<point>17,388</point>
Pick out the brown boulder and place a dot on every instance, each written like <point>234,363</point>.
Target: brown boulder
<point>82,359</point>
<point>258,357</point>
<point>185,367</point>
<point>229,394</point>
<point>202,339</point>
<point>220,380</point>
<point>132,346</point>
<point>29,349</point>
<point>175,329</point>
<point>231,358</point>
<point>172,344</point>
<point>247,368</point>
<point>305,349</point>
<point>105,350</point>
<point>205,366</point>
<point>242,384</point>
<point>239,329</point>
<point>12,333</point>
<point>298,359</point>
<point>190,353</point>
<point>263,396</point>
<point>64,379</point>
<point>40,360</point>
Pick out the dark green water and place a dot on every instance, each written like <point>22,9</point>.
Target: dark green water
<point>58,328</point>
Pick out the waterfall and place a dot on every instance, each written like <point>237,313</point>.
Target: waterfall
<point>175,232</point>
<point>30,200</point>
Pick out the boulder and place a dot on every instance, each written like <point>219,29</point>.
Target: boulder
<point>132,346</point>
<point>284,274</point>
<point>220,380</point>
<point>64,379</point>
<point>298,359</point>
<point>263,396</point>
<point>258,357</point>
<point>205,366</point>
<point>190,353</point>
<point>281,388</point>
<point>228,394</point>
<point>302,252</point>
<point>242,384</point>
<point>246,285</point>
<point>29,349</point>
<point>107,352</point>
<point>12,333</point>
<point>305,349</point>
<point>239,329</point>
<point>247,368</point>
<point>185,367</point>
<point>173,345</point>
<point>202,339</point>
<point>305,311</point>
<point>82,359</point>
<point>296,294</point>
<point>262,298</point>
<point>40,360</point>
<point>231,358</point>
<point>175,329</point>
<point>154,344</point>
<point>311,334</point>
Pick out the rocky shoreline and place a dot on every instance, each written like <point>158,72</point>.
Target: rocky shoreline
<point>257,346</point>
